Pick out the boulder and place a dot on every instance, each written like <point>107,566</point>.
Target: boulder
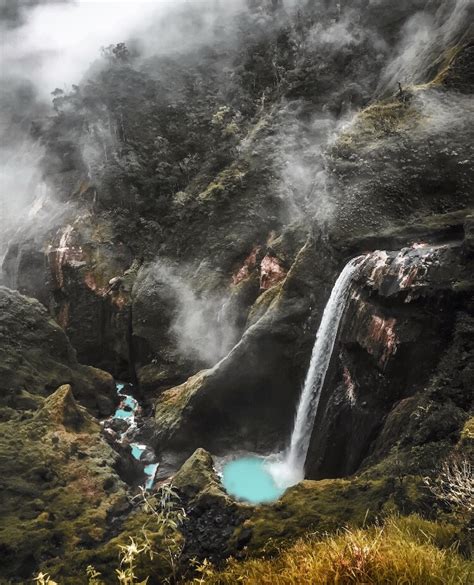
<point>211,515</point>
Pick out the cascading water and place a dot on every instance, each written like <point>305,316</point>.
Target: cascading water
<point>126,411</point>
<point>258,479</point>
<point>290,470</point>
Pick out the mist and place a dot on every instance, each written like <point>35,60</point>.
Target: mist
<point>201,326</point>
<point>52,44</point>
<point>422,39</point>
<point>56,44</point>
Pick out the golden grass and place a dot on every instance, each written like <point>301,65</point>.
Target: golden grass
<point>404,551</point>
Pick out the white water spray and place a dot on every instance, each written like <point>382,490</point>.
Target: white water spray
<point>290,470</point>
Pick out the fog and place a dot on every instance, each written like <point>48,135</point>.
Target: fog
<point>52,44</point>
<point>59,40</point>
<point>422,39</point>
<point>201,326</point>
<point>48,44</point>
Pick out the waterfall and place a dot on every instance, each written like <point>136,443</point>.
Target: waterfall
<point>290,470</point>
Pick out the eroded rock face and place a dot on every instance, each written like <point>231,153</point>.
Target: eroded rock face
<point>397,326</point>
<point>36,357</point>
<point>79,272</point>
<point>248,399</point>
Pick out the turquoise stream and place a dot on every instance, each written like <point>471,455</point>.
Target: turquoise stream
<point>130,404</point>
<point>249,478</point>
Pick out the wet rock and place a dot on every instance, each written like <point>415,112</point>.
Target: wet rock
<point>118,425</point>
<point>397,327</point>
<point>148,456</point>
<point>127,467</point>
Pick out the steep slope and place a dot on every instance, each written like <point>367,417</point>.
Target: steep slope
<point>191,214</point>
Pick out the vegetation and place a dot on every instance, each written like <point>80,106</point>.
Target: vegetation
<point>402,550</point>
<point>156,543</point>
<point>194,157</point>
<point>455,486</point>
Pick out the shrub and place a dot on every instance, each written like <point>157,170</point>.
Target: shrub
<point>455,486</point>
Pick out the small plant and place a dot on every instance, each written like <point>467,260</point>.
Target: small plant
<point>165,516</point>
<point>455,486</point>
<point>163,507</point>
<point>205,571</point>
<point>44,579</point>
<point>93,576</point>
<point>129,554</point>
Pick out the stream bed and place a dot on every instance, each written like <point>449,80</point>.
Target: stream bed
<point>127,411</point>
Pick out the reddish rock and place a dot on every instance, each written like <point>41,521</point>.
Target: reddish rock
<point>62,254</point>
<point>349,384</point>
<point>247,267</point>
<point>271,272</point>
<point>381,333</point>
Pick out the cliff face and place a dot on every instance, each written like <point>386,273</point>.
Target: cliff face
<point>58,481</point>
<point>217,171</point>
<point>404,316</point>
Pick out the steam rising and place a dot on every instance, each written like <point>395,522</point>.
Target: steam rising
<point>420,37</point>
<point>53,43</point>
<point>201,325</point>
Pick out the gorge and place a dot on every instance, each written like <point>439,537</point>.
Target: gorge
<point>236,292</point>
<point>286,469</point>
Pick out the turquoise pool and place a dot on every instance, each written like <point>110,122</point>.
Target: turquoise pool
<point>249,479</point>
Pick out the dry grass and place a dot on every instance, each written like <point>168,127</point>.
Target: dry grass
<point>403,551</point>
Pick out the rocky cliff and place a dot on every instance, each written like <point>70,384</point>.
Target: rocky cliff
<point>192,211</point>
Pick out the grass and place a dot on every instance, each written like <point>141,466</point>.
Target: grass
<point>377,121</point>
<point>402,551</point>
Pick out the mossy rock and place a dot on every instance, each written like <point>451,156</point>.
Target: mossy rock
<point>59,486</point>
<point>326,505</point>
<point>36,357</point>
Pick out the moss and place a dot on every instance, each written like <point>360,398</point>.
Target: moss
<point>62,409</point>
<point>196,473</point>
<point>440,226</point>
<point>384,118</point>
<point>447,61</point>
<point>226,181</point>
<point>465,446</point>
<point>171,403</point>
<point>263,303</point>
<point>327,505</point>
<point>53,486</point>
<point>36,357</point>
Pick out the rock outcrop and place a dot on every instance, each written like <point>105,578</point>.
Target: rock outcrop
<point>245,401</point>
<point>59,487</point>
<point>36,357</point>
<point>401,320</point>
